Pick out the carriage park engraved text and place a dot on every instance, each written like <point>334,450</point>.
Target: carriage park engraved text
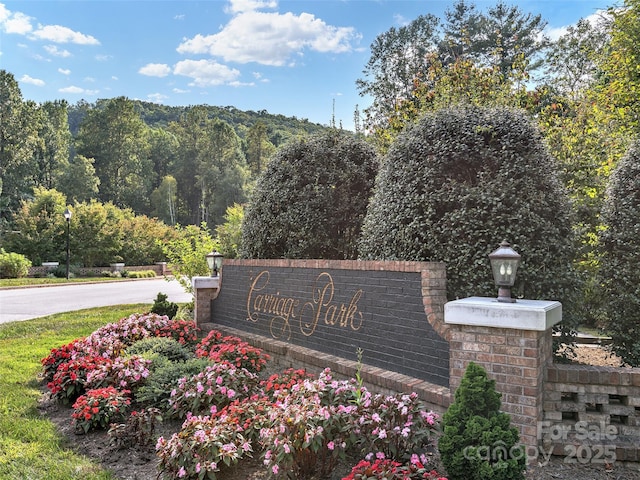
<point>283,312</point>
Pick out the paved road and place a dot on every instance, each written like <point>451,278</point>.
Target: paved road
<point>26,303</point>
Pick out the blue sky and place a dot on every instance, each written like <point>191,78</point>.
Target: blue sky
<point>295,58</point>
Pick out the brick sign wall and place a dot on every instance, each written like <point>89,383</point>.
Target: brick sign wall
<point>336,308</point>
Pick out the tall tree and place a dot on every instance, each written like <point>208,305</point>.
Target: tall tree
<point>114,136</point>
<point>258,148</point>
<point>19,124</point>
<point>52,154</point>
<point>164,200</point>
<point>511,37</point>
<point>461,32</point>
<point>398,57</point>
<point>78,180</point>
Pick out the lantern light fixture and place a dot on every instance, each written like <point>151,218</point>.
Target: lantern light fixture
<point>214,261</point>
<point>504,265</point>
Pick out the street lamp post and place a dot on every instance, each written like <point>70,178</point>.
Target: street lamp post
<point>67,216</point>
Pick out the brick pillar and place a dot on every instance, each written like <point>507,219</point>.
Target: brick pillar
<point>513,343</point>
<point>205,289</point>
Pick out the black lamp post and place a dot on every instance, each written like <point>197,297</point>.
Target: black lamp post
<point>67,216</point>
<point>504,264</point>
<point>214,261</point>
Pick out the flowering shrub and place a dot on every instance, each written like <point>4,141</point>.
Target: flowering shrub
<point>216,386</point>
<point>308,429</point>
<point>120,372</point>
<point>214,337</point>
<point>397,426</point>
<point>57,356</point>
<point>97,408</point>
<point>278,383</point>
<point>183,331</point>
<point>240,354</point>
<point>203,447</point>
<point>385,469</point>
<point>110,340</point>
<point>69,380</point>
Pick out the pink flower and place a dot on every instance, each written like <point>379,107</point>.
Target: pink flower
<point>182,472</point>
<point>331,445</point>
<point>275,469</point>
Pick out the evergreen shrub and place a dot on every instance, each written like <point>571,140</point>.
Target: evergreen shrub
<point>460,181</point>
<point>162,306</point>
<point>620,256</point>
<point>478,442</point>
<point>311,199</point>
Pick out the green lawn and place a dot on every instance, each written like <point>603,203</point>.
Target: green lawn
<point>30,448</point>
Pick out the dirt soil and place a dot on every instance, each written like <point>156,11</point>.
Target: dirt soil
<point>141,463</point>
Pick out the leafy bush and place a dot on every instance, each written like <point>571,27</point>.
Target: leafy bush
<point>456,184</point>
<point>138,430</point>
<point>69,381</point>
<point>620,256</point>
<point>311,199</point>
<point>478,442</point>
<point>385,469</point>
<point>98,408</point>
<point>163,379</point>
<point>13,265</point>
<point>211,389</point>
<point>162,306</point>
<point>122,372</point>
<point>141,274</point>
<point>240,354</point>
<point>167,347</point>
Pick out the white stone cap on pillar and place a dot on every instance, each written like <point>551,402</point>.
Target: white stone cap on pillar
<point>205,282</point>
<point>537,315</point>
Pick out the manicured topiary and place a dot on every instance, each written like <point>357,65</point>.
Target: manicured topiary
<point>456,184</point>
<point>478,442</point>
<point>311,199</point>
<point>620,257</point>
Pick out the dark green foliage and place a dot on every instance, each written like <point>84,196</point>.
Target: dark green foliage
<point>163,346</point>
<point>162,306</point>
<point>13,265</point>
<point>460,181</point>
<point>311,199</point>
<point>478,442</point>
<point>163,377</point>
<point>620,257</point>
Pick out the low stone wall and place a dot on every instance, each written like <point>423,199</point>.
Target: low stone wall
<point>159,268</point>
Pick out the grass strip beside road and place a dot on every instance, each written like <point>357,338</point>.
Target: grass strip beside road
<point>30,447</point>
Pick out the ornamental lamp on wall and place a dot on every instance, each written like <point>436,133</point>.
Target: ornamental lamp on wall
<point>214,261</point>
<point>504,264</point>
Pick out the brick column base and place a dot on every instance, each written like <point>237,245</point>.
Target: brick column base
<point>513,343</point>
<point>205,289</point>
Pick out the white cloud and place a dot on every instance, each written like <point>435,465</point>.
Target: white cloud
<point>53,50</point>
<point>17,22</point>
<point>554,33</point>
<point>103,58</point>
<point>238,6</point>
<point>180,90</point>
<point>206,73</point>
<point>156,97</point>
<point>271,38</point>
<point>32,81</point>
<point>155,70</point>
<point>77,90</point>
<point>64,71</point>
<point>60,34</point>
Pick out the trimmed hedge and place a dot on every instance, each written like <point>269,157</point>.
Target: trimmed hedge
<point>456,184</point>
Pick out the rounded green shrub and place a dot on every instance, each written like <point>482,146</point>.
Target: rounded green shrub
<point>620,256</point>
<point>13,265</point>
<point>478,441</point>
<point>460,181</point>
<point>311,199</point>
<point>164,346</point>
<point>162,306</point>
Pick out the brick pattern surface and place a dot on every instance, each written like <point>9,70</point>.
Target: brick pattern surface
<point>390,310</point>
<point>594,408</point>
